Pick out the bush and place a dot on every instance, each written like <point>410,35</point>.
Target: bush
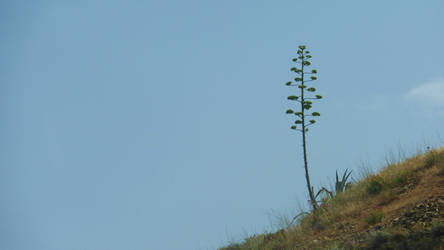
<point>413,240</point>
<point>402,178</point>
<point>375,185</point>
<point>379,239</point>
<point>438,230</point>
<point>374,217</point>
<point>433,158</point>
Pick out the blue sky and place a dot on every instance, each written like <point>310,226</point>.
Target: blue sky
<point>162,125</point>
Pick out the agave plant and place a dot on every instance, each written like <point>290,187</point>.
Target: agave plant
<point>342,185</point>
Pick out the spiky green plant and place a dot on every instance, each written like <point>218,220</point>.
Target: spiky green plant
<point>342,185</point>
<point>303,120</point>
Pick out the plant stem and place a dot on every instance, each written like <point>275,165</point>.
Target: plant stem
<point>307,176</point>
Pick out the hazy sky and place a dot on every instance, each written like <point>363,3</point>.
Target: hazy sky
<point>161,124</point>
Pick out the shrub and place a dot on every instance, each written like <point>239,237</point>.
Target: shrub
<point>379,239</point>
<point>402,178</point>
<point>430,159</point>
<point>375,185</point>
<point>434,158</point>
<point>438,229</point>
<point>374,217</point>
<point>335,246</point>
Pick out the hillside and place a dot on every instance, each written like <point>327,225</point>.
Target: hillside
<point>400,207</point>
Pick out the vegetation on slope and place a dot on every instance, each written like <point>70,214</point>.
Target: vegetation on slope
<point>401,207</point>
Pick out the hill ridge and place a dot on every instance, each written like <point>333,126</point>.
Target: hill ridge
<point>400,207</point>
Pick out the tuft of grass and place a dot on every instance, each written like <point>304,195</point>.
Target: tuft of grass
<point>280,220</point>
<point>335,246</point>
<point>402,178</point>
<point>374,217</point>
<point>435,158</point>
<point>432,157</point>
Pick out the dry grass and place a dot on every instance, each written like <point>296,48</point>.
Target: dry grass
<point>372,202</point>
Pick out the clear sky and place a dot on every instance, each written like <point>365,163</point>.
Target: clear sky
<point>161,124</point>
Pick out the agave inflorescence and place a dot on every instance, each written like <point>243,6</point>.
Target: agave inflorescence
<point>304,101</point>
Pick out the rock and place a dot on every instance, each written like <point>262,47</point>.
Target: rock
<point>422,212</point>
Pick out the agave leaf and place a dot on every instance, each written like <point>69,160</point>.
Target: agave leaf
<point>345,177</point>
<point>337,178</point>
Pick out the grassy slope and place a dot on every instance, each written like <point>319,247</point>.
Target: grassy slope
<point>401,207</point>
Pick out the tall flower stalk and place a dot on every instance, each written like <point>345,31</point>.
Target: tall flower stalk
<point>303,100</point>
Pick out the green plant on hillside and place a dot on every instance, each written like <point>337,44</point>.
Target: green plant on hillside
<point>434,158</point>
<point>342,185</point>
<point>375,185</point>
<point>303,120</point>
<point>374,217</point>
